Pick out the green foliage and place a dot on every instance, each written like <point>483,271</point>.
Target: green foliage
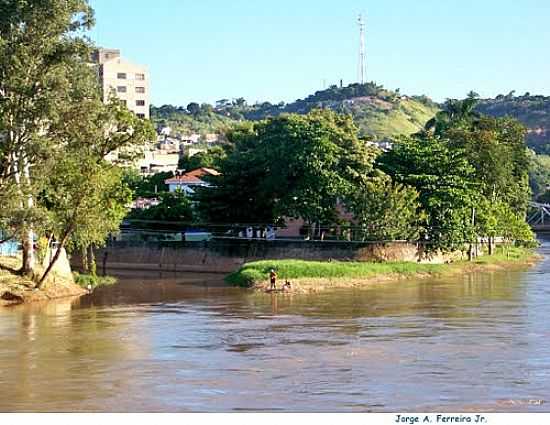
<point>42,246</point>
<point>258,272</point>
<point>379,113</point>
<point>496,149</point>
<point>55,131</point>
<point>497,219</point>
<point>86,200</point>
<point>92,281</point>
<point>211,158</point>
<point>444,180</point>
<point>384,210</point>
<point>532,111</point>
<point>293,165</point>
<point>455,113</point>
<point>42,72</point>
<point>146,186</point>
<point>196,119</point>
<point>539,175</point>
<point>174,207</point>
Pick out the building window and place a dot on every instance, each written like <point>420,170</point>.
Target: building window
<point>140,77</point>
<point>121,75</point>
<point>121,89</point>
<point>124,102</point>
<point>140,102</point>
<point>140,89</point>
<point>142,116</point>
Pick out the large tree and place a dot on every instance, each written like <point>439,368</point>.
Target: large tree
<point>385,211</point>
<point>51,114</point>
<point>39,50</point>
<point>496,148</point>
<point>292,165</point>
<point>444,179</point>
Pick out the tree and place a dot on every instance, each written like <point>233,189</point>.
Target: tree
<point>223,104</point>
<point>84,194</point>
<point>87,199</point>
<point>194,108</point>
<point>539,173</point>
<point>206,109</point>
<point>52,120</point>
<point>495,147</point>
<point>146,186</point>
<point>445,182</point>
<point>39,54</point>
<point>211,158</point>
<point>173,207</point>
<point>240,102</point>
<point>386,211</point>
<point>292,165</point>
<point>455,112</point>
<point>497,219</point>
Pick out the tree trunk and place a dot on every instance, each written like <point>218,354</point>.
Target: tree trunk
<point>28,234</point>
<point>55,258</point>
<point>28,253</point>
<point>84,259</point>
<point>471,253</point>
<point>91,260</point>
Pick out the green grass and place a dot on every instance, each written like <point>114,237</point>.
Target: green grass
<point>257,272</point>
<point>507,255</point>
<point>85,280</point>
<point>252,273</point>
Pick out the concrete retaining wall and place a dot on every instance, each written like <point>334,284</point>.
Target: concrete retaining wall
<point>227,255</point>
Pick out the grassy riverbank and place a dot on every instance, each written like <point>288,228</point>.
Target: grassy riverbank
<point>16,289</point>
<point>89,281</point>
<point>307,276</point>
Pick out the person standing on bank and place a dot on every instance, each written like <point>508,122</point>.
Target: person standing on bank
<point>273,279</point>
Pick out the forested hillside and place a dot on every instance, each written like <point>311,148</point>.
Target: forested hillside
<point>379,113</point>
<point>532,111</point>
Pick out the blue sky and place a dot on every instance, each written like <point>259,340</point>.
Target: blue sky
<point>206,50</point>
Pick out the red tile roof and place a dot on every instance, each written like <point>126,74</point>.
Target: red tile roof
<point>193,176</point>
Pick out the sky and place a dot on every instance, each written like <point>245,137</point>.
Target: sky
<point>283,50</point>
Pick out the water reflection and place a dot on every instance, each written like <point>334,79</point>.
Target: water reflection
<point>472,342</point>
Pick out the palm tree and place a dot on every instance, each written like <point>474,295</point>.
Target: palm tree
<point>454,111</point>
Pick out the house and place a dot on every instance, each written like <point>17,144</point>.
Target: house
<point>189,181</point>
<point>158,161</point>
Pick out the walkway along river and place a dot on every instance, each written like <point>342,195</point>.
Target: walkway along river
<point>478,342</point>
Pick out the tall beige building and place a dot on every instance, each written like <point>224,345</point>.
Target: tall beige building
<point>129,82</point>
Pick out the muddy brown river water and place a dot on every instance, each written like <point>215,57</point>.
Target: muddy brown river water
<point>479,342</point>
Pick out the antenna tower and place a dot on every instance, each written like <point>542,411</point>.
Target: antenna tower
<point>362,55</point>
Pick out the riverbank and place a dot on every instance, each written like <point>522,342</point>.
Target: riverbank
<point>314,276</point>
<point>16,289</point>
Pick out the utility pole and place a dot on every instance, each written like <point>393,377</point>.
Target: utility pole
<point>362,54</point>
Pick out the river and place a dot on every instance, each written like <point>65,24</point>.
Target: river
<point>478,342</point>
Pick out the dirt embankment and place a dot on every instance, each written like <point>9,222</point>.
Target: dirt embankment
<point>16,289</point>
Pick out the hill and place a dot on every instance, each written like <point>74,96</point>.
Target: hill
<point>379,113</point>
<point>532,111</point>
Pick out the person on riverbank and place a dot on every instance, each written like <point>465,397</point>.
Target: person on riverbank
<point>273,280</point>
<point>287,287</point>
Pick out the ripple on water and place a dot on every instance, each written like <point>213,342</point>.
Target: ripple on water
<point>478,343</point>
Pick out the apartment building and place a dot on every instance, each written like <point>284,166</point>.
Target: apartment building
<point>128,81</point>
